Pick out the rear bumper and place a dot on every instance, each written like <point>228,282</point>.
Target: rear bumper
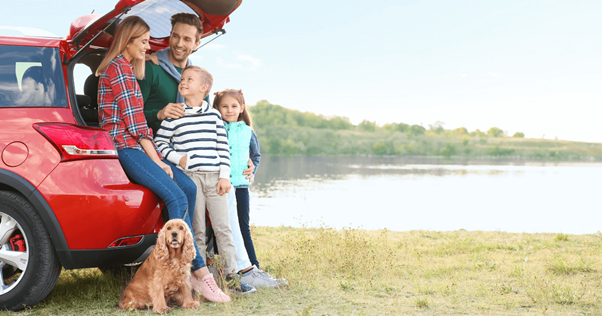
<point>78,259</point>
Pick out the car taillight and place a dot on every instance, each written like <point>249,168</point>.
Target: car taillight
<point>78,142</point>
<point>126,241</point>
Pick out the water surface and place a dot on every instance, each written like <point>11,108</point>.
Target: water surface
<point>409,194</point>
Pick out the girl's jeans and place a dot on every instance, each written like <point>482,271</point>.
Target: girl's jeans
<point>178,193</point>
<point>242,204</point>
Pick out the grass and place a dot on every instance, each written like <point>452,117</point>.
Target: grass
<point>358,272</point>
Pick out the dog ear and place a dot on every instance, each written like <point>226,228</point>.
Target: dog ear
<point>160,252</point>
<point>189,252</point>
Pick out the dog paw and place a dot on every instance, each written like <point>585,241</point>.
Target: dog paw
<point>161,310</point>
<point>191,305</point>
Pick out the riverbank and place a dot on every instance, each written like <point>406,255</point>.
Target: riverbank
<point>358,272</point>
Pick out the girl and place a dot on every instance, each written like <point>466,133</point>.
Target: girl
<point>120,112</point>
<point>243,145</point>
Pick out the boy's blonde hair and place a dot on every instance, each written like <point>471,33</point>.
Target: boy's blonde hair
<point>206,77</point>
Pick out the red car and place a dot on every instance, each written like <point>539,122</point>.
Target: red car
<point>64,198</point>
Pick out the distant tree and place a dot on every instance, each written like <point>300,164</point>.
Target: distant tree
<point>264,114</point>
<point>339,122</point>
<point>495,132</point>
<point>416,130</point>
<point>448,150</point>
<point>519,135</point>
<point>380,148</point>
<point>465,140</point>
<point>460,131</point>
<point>477,132</point>
<point>495,150</point>
<point>367,126</point>
<point>437,127</point>
<point>396,127</point>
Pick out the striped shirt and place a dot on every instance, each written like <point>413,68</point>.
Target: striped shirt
<point>120,105</point>
<point>200,135</point>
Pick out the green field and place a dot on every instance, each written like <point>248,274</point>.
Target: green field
<point>358,272</point>
<point>283,131</point>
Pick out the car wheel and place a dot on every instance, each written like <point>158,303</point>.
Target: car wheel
<point>29,266</point>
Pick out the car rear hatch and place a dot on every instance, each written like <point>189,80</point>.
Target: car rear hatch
<point>96,29</point>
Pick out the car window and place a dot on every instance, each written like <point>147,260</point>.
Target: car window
<point>31,77</point>
<point>157,14</point>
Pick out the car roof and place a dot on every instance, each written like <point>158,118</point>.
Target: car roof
<point>30,41</point>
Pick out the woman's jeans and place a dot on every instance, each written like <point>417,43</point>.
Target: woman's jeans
<point>179,193</point>
<point>242,204</point>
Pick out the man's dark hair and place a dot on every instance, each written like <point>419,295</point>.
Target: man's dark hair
<point>190,19</point>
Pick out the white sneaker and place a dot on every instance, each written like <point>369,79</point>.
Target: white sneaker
<point>259,278</point>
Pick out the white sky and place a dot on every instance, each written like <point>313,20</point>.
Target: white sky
<point>528,65</point>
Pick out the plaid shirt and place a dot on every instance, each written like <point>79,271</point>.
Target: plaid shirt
<point>120,106</point>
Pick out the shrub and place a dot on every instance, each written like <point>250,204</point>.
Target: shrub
<point>495,150</point>
<point>495,132</point>
<point>367,126</point>
<point>380,148</point>
<point>448,150</point>
<point>416,130</point>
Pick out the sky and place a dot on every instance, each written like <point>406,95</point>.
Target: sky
<point>532,66</point>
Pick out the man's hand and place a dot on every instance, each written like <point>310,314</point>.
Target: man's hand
<point>223,186</point>
<point>183,162</point>
<point>249,172</point>
<point>152,57</point>
<point>172,110</point>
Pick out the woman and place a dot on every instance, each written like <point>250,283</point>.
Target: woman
<point>120,112</point>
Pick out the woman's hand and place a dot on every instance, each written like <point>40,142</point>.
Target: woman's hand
<point>149,149</point>
<point>165,168</point>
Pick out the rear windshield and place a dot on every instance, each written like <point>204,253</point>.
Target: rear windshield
<point>31,77</point>
<point>157,14</point>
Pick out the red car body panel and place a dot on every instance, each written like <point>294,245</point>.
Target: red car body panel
<point>110,205</point>
<point>41,157</point>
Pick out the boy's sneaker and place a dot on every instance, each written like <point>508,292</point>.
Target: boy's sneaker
<point>259,278</point>
<point>240,286</point>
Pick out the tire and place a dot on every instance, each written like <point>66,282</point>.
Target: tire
<point>29,266</point>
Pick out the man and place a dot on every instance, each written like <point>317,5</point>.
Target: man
<point>160,87</point>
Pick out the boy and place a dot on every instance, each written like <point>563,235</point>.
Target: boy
<point>200,149</point>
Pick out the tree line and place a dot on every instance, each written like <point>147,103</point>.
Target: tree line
<point>283,131</point>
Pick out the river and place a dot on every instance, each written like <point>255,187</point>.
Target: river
<point>404,194</point>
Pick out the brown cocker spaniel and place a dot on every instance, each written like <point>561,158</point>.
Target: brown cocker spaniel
<point>165,273</point>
